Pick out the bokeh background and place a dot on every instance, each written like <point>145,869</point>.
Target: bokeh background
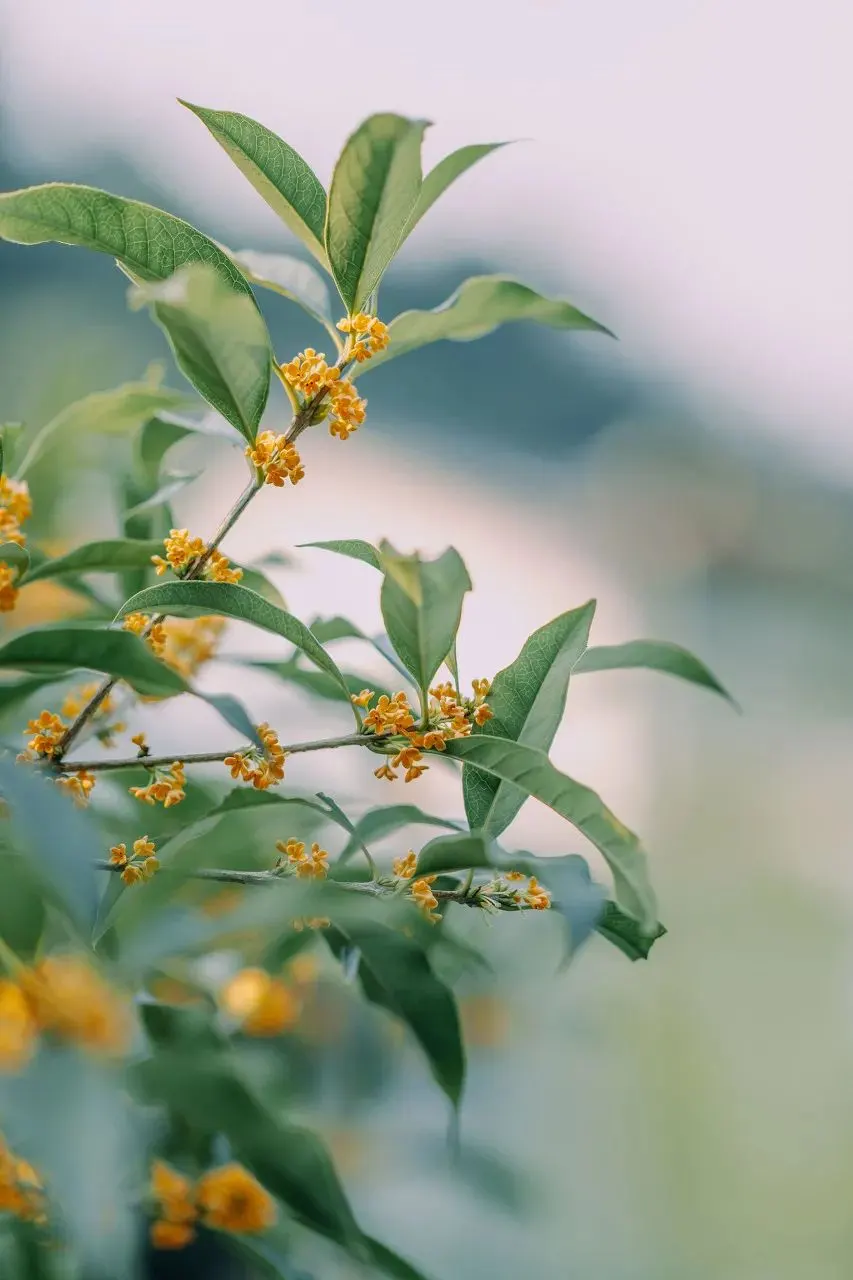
<point>681,176</point>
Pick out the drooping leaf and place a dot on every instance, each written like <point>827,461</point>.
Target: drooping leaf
<point>277,172</point>
<point>16,557</point>
<point>232,712</point>
<point>107,556</point>
<point>478,306</point>
<point>355,548</point>
<point>219,340</point>
<point>654,655</point>
<point>528,699</point>
<point>150,243</point>
<point>421,604</point>
<point>172,485</point>
<point>443,175</point>
<point>624,932</point>
<point>329,629</point>
<point>293,279</point>
<point>316,682</point>
<point>376,824</point>
<point>196,599</point>
<point>375,186</point>
<point>63,648</point>
<point>159,433</point>
<point>530,769</point>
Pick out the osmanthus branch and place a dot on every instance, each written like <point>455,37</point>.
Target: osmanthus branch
<point>204,757</point>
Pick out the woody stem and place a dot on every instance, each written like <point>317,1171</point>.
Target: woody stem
<point>204,757</point>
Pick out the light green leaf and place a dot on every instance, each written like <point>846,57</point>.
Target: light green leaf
<point>150,243</point>
<point>16,557</point>
<point>219,340</point>
<point>654,655</point>
<point>160,433</point>
<point>378,823</point>
<point>457,852</point>
<point>317,682</point>
<point>14,692</point>
<point>481,304</point>
<point>10,434</point>
<point>528,699</point>
<point>172,485</point>
<point>625,933</point>
<point>329,629</point>
<point>277,172</point>
<point>531,770</point>
<point>355,548</point>
<point>108,556</point>
<point>22,905</point>
<point>421,604</point>
<point>114,412</point>
<point>446,172</point>
<point>116,653</point>
<point>375,185</point>
<point>196,599</point>
<point>293,279</point>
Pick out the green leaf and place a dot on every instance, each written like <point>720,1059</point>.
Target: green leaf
<point>375,185</point>
<point>22,905</point>
<point>446,172</point>
<point>316,682</point>
<point>196,599</point>
<point>395,973</point>
<point>457,852</point>
<point>356,549</point>
<point>108,556</point>
<point>625,933</point>
<point>150,243</point>
<point>329,629</point>
<point>378,823</point>
<point>277,172</point>
<point>116,653</point>
<point>531,770</point>
<point>16,557</point>
<point>114,412</point>
<point>293,279</point>
<point>14,692</point>
<point>390,1263</point>
<point>171,486</point>
<point>528,699</point>
<point>164,430</point>
<point>10,434</point>
<point>654,655</point>
<point>257,581</point>
<point>219,340</point>
<point>421,604</point>
<point>478,306</point>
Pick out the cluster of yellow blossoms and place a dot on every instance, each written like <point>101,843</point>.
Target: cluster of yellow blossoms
<point>15,508</point>
<point>21,1192</point>
<point>263,767</point>
<point>261,1004</point>
<point>308,866</point>
<point>64,997</point>
<point>366,335</point>
<point>276,458</point>
<point>227,1199</point>
<point>182,552</point>
<point>48,730</point>
<point>419,890</point>
<point>168,786</point>
<point>499,894</point>
<point>336,397</point>
<point>448,717</point>
<point>184,644</point>
<point>140,865</point>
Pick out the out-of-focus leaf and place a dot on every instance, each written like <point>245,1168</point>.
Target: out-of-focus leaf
<point>531,770</point>
<point>443,175</point>
<point>376,824</point>
<point>456,852</point>
<point>277,172</point>
<point>232,712</point>
<point>390,1263</point>
<point>374,188</point>
<point>654,655</point>
<point>293,279</point>
<point>625,933</point>
<point>14,692</point>
<point>478,306</point>
<point>15,557</point>
<point>22,905</point>
<point>10,434</point>
<point>316,682</point>
<point>116,653</point>
<point>219,340</point>
<point>355,548</point>
<point>527,699</point>
<point>256,580</point>
<point>108,556</point>
<point>157,436</point>
<point>171,486</point>
<point>421,604</point>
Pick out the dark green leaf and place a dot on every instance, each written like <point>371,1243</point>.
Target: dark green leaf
<point>390,1263</point>
<point>232,712</point>
<point>446,172</point>
<point>625,933</point>
<point>256,580</point>
<point>115,653</point>
<point>457,852</point>
<point>531,770</point>
<point>293,279</point>
<point>376,824</point>
<point>528,699</point>
<point>481,304</point>
<point>356,549</point>
<point>654,655</point>
<point>22,905</point>
<point>109,556</point>
<point>422,605</point>
<point>375,185</point>
<point>277,172</point>
<point>16,557</point>
<point>219,340</point>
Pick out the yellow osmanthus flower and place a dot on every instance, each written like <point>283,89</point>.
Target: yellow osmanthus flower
<point>390,715</point>
<point>513,875</point>
<point>404,868</point>
<point>18,1027</point>
<point>448,716</point>
<point>182,552</point>
<point>262,1004</point>
<point>70,999</point>
<point>313,865</point>
<point>140,741</point>
<point>536,895</point>
<point>15,499</point>
<point>168,787</point>
<point>309,373</point>
<point>48,731</point>
<point>138,622</point>
<point>15,507</point>
<point>347,409</point>
<point>278,460</point>
<point>423,895</point>
<point>263,767</point>
<point>8,590</point>
<point>78,785</point>
<point>232,1200</point>
<point>177,1208</point>
<point>190,642</point>
<point>21,1192</point>
<point>362,699</point>
<point>367,335</point>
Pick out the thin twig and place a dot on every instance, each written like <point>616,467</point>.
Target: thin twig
<point>204,757</point>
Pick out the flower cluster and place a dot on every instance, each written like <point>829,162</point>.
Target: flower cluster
<point>15,508</point>
<point>21,1192</point>
<point>140,865</point>
<point>423,896</point>
<point>366,335</point>
<point>167,786</point>
<point>184,644</point>
<point>227,1198</point>
<point>48,730</point>
<point>276,458</point>
<point>78,785</point>
<point>263,767</point>
<point>448,717</point>
<point>182,552</point>
<point>501,895</point>
<point>65,997</point>
<point>309,866</point>
<point>143,625</point>
<point>261,1004</point>
<point>336,397</point>
<point>404,868</point>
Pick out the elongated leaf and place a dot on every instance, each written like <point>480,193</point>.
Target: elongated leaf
<point>376,824</point>
<point>50,650</point>
<point>219,340</point>
<point>108,556</point>
<point>444,174</point>
<point>150,243</point>
<point>481,304</point>
<point>114,412</point>
<point>317,682</point>
<point>256,580</point>
<point>395,973</point>
<point>625,933</point>
<point>172,485</point>
<point>22,905</point>
<point>654,655</point>
<point>277,172</point>
<point>422,604</point>
<point>354,548</point>
<point>329,629</point>
<point>195,599</point>
<point>164,430</point>
<point>390,1263</point>
<point>293,279</point>
<point>16,557</point>
<point>14,692</point>
<point>375,185</point>
<point>457,852</point>
<point>528,699</point>
<point>531,770</point>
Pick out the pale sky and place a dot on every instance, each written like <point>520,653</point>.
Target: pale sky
<point>687,161</point>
